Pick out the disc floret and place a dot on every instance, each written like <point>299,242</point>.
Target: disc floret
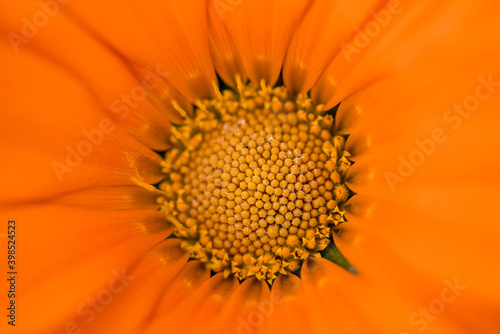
<point>255,182</point>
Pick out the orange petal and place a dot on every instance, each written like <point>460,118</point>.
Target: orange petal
<point>247,309</point>
<point>424,213</point>
<point>385,308</point>
<point>291,313</point>
<point>111,198</point>
<point>136,304</point>
<point>192,276</point>
<point>58,138</point>
<point>409,40</point>
<point>318,40</point>
<point>193,313</point>
<point>100,69</point>
<point>79,252</point>
<point>262,31</point>
<point>227,60</point>
<point>172,34</point>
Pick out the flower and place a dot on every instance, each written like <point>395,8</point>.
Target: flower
<point>92,93</point>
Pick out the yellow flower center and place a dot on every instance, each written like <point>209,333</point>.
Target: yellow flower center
<point>255,182</point>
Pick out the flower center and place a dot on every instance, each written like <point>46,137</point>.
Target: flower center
<point>255,182</point>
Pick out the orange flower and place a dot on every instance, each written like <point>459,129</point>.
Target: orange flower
<point>92,91</point>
